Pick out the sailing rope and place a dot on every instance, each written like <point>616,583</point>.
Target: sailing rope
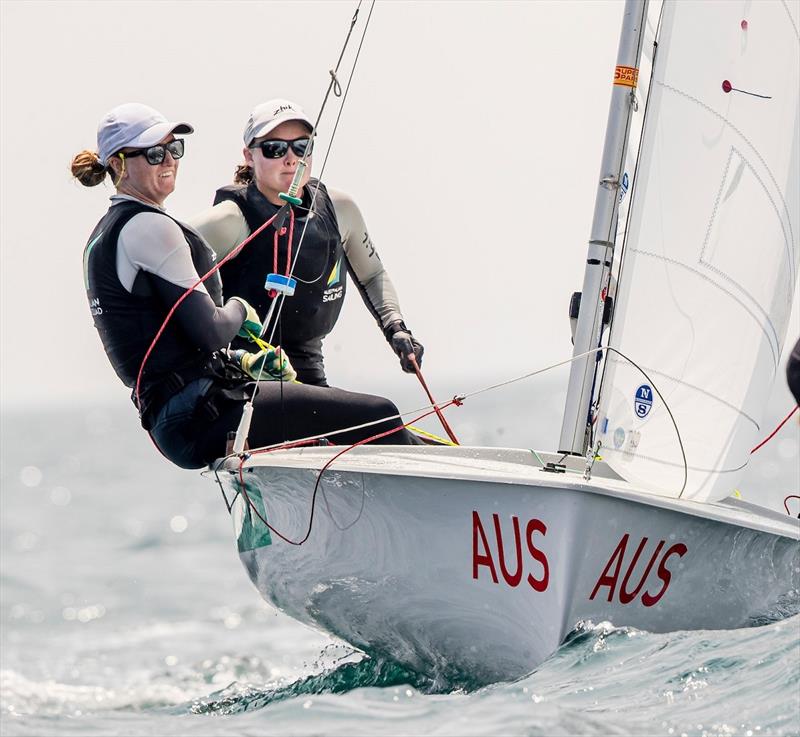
<point>279,232</point>
<point>431,409</point>
<point>254,510</point>
<point>235,252</point>
<point>279,215</point>
<point>775,431</point>
<point>445,425</point>
<point>334,86</point>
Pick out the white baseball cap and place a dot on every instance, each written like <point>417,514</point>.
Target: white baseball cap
<point>134,125</point>
<point>269,115</point>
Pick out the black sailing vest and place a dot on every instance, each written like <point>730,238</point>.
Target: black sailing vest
<point>321,271</point>
<point>128,321</point>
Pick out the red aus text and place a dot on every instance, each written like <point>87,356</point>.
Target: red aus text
<point>485,553</point>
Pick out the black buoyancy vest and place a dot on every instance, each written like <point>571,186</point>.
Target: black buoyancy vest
<point>128,321</point>
<point>321,270</point>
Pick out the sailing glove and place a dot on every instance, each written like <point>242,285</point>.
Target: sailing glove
<point>251,322</point>
<point>268,365</point>
<point>404,344</point>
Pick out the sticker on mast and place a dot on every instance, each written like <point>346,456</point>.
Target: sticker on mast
<point>626,76</point>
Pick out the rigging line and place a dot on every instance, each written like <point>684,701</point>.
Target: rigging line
<point>215,471</point>
<point>633,193</point>
<point>235,252</point>
<point>786,505</point>
<point>330,145</point>
<point>334,83</point>
<point>458,399</point>
<point>636,366</point>
<point>324,468</point>
<point>330,461</point>
<point>612,224</point>
<point>775,431</point>
<point>307,441</point>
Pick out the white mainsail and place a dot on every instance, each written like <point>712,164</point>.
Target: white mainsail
<point>711,256</point>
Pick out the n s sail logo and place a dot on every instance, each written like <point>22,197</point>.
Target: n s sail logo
<point>335,288</point>
<point>643,401</point>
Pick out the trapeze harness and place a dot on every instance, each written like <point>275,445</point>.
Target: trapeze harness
<point>321,273</point>
<point>128,321</point>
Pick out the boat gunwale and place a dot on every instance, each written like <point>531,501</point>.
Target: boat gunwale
<point>364,459</point>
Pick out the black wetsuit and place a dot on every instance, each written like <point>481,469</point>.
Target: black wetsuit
<point>321,273</point>
<point>793,371</point>
<point>191,395</point>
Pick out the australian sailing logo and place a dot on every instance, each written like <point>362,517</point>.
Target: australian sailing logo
<point>335,288</point>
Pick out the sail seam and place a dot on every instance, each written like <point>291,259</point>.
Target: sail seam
<point>746,140</point>
<point>607,450</point>
<point>791,19</point>
<point>734,297</point>
<point>786,243</point>
<point>707,393</point>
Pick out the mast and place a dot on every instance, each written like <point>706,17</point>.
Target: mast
<point>574,429</point>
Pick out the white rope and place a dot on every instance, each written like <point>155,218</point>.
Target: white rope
<point>425,408</point>
<point>462,397</point>
<point>334,82</point>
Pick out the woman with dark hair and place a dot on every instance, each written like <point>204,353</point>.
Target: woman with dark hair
<point>138,263</point>
<point>334,243</point>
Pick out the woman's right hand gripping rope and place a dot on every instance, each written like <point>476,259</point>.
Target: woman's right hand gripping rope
<point>269,364</point>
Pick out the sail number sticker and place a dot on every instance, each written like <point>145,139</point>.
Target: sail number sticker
<point>626,76</point>
<point>643,401</point>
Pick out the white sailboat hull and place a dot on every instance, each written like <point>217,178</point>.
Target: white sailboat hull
<point>476,560</point>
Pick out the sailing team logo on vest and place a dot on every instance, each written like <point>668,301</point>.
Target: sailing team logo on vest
<point>335,288</point>
<point>643,401</point>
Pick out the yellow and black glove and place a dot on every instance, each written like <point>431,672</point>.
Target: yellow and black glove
<point>271,364</point>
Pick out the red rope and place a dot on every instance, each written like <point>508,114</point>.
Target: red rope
<point>775,431</point>
<point>235,252</point>
<point>285,446</point>
<point>786,506</point>
<point>439,414</point>
<point>273,292</point>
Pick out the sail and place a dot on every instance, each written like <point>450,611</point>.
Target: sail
<point>711,255</point>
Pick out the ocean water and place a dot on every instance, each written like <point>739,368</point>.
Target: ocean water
<point>125,611</point>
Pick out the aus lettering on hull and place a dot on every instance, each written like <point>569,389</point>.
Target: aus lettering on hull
<point>534,565</point>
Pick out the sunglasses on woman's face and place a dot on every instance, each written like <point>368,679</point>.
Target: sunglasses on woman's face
<point>277,149</point>
<point>155,154</point>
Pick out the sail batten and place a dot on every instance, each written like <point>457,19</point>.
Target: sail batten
<point>711,253</point>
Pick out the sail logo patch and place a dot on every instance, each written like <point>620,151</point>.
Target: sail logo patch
<point>335,289</point>
<point>336,273</point>
<point>643,401</point>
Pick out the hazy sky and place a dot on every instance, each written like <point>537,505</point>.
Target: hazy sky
<point>471,140</point>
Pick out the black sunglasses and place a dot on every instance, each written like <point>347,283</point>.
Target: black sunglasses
<point>155,154</point>
<point>277,149</point>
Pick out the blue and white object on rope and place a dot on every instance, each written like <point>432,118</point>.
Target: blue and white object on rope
<point>283,284</point>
